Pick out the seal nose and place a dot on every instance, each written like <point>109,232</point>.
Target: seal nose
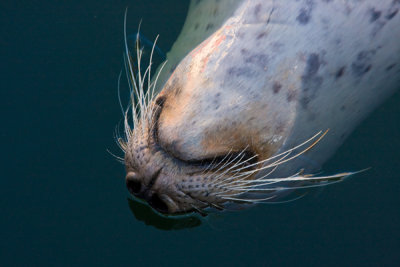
<point>158,204</point>
<point>133,183</point>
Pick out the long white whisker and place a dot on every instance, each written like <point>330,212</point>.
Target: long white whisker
<point>286,152</point>
<point>279,162</point>
<point>248,200</point>
<point>119,93</point>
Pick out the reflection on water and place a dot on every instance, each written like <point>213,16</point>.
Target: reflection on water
<point>146,214</point>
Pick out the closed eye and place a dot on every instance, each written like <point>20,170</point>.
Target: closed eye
<point>157,112</point>
<point>243,158</point>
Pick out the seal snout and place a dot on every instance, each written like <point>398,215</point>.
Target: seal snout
<point>134,184</point>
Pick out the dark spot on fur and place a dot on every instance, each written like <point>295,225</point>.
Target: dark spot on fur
<point>241,71</point>
<point>260,60</point>
<point>362,64</point>
<point>311,82</point>
<point>291,95</point>
<point>392,12</point>
<point>261,35</point>
<point>340,72</point>
<point>257,9</point>
<point>177,90</point>
<point>390,67</point>
<point>209,26</point>
<point>276,87</point>
<point>313,64</point>
<point>304,15</point>
<point>374,14</point>
<point>215,11</point>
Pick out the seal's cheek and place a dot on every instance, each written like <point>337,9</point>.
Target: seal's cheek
<point>234,136</point>
<point>190,131</point>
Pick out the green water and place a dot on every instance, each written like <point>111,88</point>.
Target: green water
<point>63,198</point>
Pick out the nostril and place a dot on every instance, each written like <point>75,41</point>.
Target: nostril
<point>133,183</point>
<point>157,203</point>
<point>133,186</point>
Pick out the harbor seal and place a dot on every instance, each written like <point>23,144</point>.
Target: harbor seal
<point>243,117</point>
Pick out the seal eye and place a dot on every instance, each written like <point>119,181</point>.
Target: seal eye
<point>159,105</point>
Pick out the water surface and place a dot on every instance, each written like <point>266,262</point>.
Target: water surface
<point>63,197</point>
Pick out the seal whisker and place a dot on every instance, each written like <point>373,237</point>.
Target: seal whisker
<point>255,186</point>
<point>322,181</point>
<point>119,93</point>
<point>150,63</point>
<point>129,70</point>
<point>217,178</point>
<point>119,159</point>
<point>246,182</point>
<point>226,163</point>
<point>283,154</point>
<point>248,200</point>
<point>283,159</point>
<point>133,91</point>
<point>234,161</point>
<point>280,188</point>
<point>218,165</point>
<point>338,176</point>
<point>140,98</point>
<point>241,179</point>
<point>151,91</point>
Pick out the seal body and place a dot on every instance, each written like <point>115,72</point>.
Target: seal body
<point>237,118</point>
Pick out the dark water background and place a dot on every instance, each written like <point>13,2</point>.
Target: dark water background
<point>63,199</point>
